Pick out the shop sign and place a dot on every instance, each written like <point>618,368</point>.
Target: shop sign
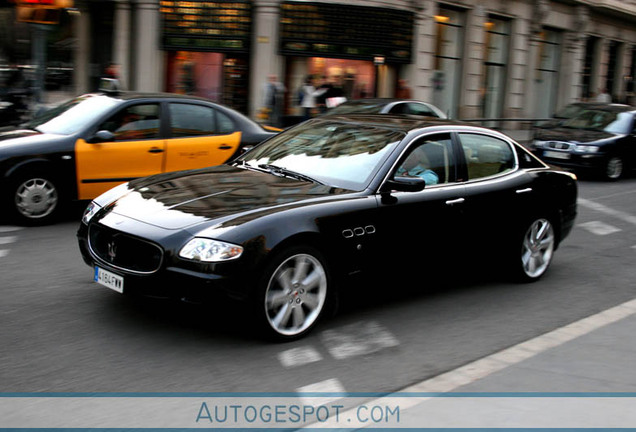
<point>345,31</point>
<point>197,25</point>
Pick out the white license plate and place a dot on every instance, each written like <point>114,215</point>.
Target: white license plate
<point>108,279</point>
<point>556,155</point>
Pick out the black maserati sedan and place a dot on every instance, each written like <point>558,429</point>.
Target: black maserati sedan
<point>287,223</point>
<point>600,139</point>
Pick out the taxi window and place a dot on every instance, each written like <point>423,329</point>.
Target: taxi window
<point>486,156</point>
<point>135,122</point>
<point>188,120</point>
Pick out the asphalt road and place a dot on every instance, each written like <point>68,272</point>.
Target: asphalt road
<point>61,332</point>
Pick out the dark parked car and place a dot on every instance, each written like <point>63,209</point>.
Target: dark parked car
<point>89,144</point>
<point>285,223</point>
<point>602,139</point>
<point>387,106</point>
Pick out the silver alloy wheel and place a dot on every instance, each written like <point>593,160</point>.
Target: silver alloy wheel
<point>36,198</point>
<point>295,294</point>
<point>537,248</point>
<point>614,168</point>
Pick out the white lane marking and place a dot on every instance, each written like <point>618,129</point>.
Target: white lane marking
<point>609,211</point>
<point>599,228</point>
<point>299,356</point>
<point>357,339</point>
<point>3,253</point>
<point>9,228</point>
<point>7,240</point>
<point>496,362</point>
<point>331,385</point>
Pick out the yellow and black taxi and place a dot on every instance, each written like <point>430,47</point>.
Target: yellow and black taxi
<point>89,144</point>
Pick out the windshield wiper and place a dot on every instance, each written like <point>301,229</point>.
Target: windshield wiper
<point>280,171</point>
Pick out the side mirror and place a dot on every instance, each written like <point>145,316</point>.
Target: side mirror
<point>404,184</point>
<point>102,136</point>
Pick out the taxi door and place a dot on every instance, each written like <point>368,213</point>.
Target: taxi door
<point>133,148</point>
<point>200,136</point>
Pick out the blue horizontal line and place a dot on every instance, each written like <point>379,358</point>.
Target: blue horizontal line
<point>317,394</point>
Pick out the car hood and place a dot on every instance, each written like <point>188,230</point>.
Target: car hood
<point>21,137</point>
<point>572,135</point>
<point>213,196</point>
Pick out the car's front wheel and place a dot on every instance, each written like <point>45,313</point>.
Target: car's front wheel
<point>536,249</point>
<point>293,292</point>
<point>614,167</point>
<point>34,198</point>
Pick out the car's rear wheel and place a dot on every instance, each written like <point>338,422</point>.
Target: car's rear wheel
<point>537,247</point>
<point>34,198</point>
<point>293,292</point>
<point>614,167</point>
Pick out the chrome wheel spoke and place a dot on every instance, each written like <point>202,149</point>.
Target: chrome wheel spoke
<point>312,301</point>
<point>276,299</point>
<point>282,317</point>
<point>298,316</point>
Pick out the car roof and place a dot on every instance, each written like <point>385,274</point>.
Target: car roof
<point>402,122</point>
<point>379,101</point>
<point>131,95</point>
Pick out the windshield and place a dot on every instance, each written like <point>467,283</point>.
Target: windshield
<point>569,111</point>
<point>598,120</point>
<point>358,108</point>
<point>73,115</point>
<point>333,153</point>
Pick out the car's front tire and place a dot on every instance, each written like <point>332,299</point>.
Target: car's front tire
<point>535,249</point>
<point>614,168</point>
<point>293,293</point>
<point>34,198</point>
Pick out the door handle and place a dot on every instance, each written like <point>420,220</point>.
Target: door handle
<point>521,191</point>
<point>155,150</point>
<point>455,201</point>
<point>225,147</point>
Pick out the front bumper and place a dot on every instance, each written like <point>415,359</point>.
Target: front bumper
<point>176,279</point>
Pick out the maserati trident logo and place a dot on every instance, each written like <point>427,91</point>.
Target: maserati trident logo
<point>112,250</point>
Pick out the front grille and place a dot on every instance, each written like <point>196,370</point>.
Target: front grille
<point>123,251</point>
<point>559,145</point>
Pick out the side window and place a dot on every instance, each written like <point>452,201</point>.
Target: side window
<point>430,158</point>
<point>224,123</point>
<point>399,109</point>
<point>486,156</point>
<point>421,110</point>
<point>192,120</point>
<point>136,122</point>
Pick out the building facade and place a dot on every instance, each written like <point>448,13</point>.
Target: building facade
<point>473,59</point>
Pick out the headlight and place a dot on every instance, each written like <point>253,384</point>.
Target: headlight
<point>208,250</point>
<point>90,212</point>
<point>586,149</point>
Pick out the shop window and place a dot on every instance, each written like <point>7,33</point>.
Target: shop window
<point>495,65</point>
<point>448,59</point>
<point>547,73</point>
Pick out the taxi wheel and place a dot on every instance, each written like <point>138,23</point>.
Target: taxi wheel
<point>293,293</point>
<point>614,167</point>
<point>536,248</point>
<point>34,198</point>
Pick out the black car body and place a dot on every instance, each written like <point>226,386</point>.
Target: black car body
<point>325,200</point>
<point>89,144</point>
<point>601,138</point>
